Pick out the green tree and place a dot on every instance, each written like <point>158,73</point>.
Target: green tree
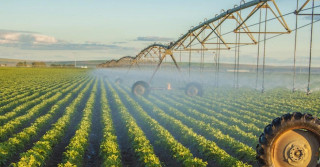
<point>39,64</point>
<point>21,64</point>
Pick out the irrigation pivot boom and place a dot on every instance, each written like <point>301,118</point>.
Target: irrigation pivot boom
<point>208,36</point>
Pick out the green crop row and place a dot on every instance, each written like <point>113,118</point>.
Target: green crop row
<point>18,81</point>
<point>23,108</point>
<point>194,104</point>
<point>17,101</point>
<point>207,148</point>
<point>109,148</point>
<point>240,150</point>
<point>217,123</point>
<point>18,141</point>
<point>75,150</point>
<point>29,88</point>
<point>225,107</point>
<point>139,142</point>
<point>7,129</point>
<point>163,137</point>
<point>42,149</point>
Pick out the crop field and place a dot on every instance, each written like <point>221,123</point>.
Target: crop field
<point>67,117</point>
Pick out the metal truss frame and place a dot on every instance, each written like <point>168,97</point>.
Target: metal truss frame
<point>191,38</point>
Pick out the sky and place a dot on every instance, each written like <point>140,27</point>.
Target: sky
<point>103,29</point>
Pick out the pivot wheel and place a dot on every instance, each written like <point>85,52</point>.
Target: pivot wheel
<point>141,88</point>
<point>193,89</point>
<point>118,81</point>
<point>291,140</point>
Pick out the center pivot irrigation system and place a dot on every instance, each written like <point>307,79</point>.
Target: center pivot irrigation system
<point>249,23</point>
<point>290,140</point>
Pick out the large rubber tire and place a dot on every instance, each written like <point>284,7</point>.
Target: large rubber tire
<point>141,88</point>
<point>193,89</point>
<point>290,140</point>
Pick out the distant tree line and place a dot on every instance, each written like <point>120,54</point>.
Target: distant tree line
<point>22,64</point>
<point>63,65</point>
<point>33,64</point>
<point>39,64</point>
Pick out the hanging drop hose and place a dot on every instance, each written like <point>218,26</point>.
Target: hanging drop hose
<point>201,59</point>
<point>219,51</point>
<point>204,34</point>
<point>180,56</point>
<point>238,61</point>
<point>202,63</point>
<point>258,56</point>
<point>295,51</point>
<point>239,40</point>
<point>216,67</point>
<point>310,57</point>
<point>235,58</point>
<point>190,59</point>
<point>201,53</point>
<point>264,49</point>
<point>200,66</point>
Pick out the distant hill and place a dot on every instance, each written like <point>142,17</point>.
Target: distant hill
<point>12,62</point>
<point>89,63</point>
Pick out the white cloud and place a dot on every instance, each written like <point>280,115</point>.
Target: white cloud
<point>44,39</point>
<point>12,37</point>
<point>9,38</point>
<point>34,41</point>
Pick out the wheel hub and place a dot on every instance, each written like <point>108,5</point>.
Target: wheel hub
<point>295,148</point>
<point>295,154</point>
<point>192,91</point>
<point>139,90</point>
